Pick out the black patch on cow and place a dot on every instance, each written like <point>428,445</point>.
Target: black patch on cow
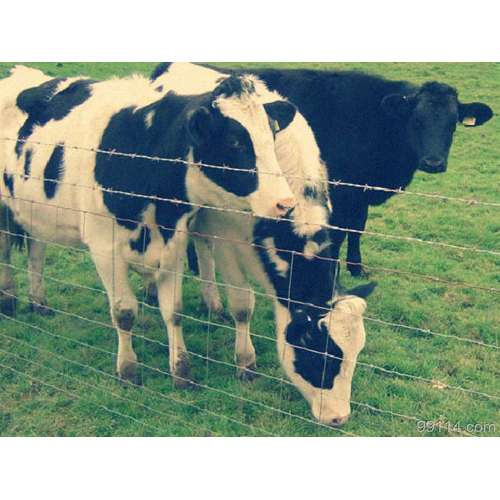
<point>33,99</point>
<point>309,280</point>
<point>142,242</point>
<point>53,171</point>
<point>27,163</point>
<point>42,104</point>
<point>167,138</point>
<point>228,143</point>
<point>160,70</point>
<point>282,112</point>
<point>8,180</point>
<point>317,357</point>
<point>312,192</point>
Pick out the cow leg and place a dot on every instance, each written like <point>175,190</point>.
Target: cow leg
<point>241,306</point>
<point>36,262</point>
<point>209,291</point>
<point>354,242</point>
<point>241,302</point>
<point>113,271</point>
<point>7,280</point>
<point>169,284</point>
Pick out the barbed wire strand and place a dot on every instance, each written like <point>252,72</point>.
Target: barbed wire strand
<point>198,206</point>
<point>336,183</point>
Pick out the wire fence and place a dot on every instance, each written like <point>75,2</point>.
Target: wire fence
<point>168,405</point>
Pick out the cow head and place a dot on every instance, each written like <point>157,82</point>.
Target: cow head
<point>430,116</point>
<point>320,355</point>
<point>233,130</point>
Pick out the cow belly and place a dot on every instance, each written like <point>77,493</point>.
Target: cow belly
<point>49,223</point>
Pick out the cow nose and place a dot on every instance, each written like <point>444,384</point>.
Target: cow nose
<point>284,205</point>
<point>433,164</point>
<point>339,421</point>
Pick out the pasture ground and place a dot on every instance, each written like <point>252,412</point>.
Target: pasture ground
<point>63,381</point>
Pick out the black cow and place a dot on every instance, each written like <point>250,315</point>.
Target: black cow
<point>373,131</point>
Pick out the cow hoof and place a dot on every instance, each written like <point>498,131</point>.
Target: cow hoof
<point>247,374</point>
<point>8,305</point>
<point>182,373</point>
<point>128,374</point>
<point>41,309</point>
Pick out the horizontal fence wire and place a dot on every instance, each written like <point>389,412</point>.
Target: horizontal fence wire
<point>209,323</point>
<point>194,205</point>
<point>364,187</point>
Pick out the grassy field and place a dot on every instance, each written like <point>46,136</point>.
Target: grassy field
<point>64,385</point>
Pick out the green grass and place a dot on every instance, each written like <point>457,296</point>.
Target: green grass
<point>64,385</point>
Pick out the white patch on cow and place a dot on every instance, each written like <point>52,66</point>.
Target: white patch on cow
<point>281,265</point>
<point>299,156</point>
<point>148,119</point>
<point>188,79</point>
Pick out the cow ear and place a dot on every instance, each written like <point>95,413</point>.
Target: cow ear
<point>474,114</point>
<point>397,105</point>
<point>282,112</point>
<point>199,125</point>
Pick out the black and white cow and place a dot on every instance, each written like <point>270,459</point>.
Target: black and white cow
<point>373,131</point>
<point>71,196</point>
<point>319,333</point>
